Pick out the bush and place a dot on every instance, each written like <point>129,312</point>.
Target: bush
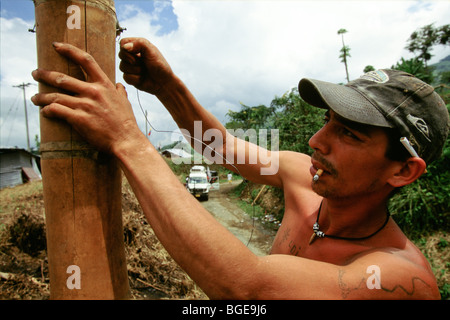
<point>423,207</point>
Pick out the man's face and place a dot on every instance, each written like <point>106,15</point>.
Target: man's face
<point>352,156</point>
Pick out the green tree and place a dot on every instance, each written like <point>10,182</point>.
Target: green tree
<point>445,77</point>
<point>422,207</point>
<point>258,117</point>
<point>296,120</point>
<point>368,68</point>
<point>416,67</point>
<point>422,40</point>
<point>345,52</point>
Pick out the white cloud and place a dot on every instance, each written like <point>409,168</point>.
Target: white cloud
<point>17,60</point>
<point>249,51</point>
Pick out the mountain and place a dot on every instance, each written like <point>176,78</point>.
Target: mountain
<point>442,66</point>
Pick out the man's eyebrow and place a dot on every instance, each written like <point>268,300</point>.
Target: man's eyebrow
<point>362,128</point>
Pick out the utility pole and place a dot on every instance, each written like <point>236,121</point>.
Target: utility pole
<point>81,185</point>
<point>23,86</point>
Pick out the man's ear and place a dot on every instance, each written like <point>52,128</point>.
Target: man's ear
<point>408,172</point>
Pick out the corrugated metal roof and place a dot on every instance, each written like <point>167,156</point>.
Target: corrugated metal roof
<point>17,166</point>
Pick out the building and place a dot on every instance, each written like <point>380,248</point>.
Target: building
<point>176,153</point>
<point>18,166</point>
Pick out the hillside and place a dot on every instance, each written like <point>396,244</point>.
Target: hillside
<point>442,66</point>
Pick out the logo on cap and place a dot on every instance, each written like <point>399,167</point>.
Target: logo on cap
<point>420,125</point>
<point>378,76</point>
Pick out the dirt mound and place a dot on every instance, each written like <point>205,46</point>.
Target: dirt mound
<point>27,233</point>
<point>152,272</point>
<point>24,274</point>
<point>269,199</point>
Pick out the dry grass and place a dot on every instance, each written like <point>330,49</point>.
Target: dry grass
<point>152,273</point>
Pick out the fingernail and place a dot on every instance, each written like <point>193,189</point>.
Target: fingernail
<point>56,44</point>
<point>34,73</point>
<point>128,46</point>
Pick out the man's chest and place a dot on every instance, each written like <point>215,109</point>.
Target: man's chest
<point>293,238</point>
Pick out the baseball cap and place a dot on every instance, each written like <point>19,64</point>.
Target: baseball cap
<point>387,98</point>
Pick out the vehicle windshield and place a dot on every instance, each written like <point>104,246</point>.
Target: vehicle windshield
<point>197,180</point>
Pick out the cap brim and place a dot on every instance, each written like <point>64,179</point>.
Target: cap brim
<point>344,100</point>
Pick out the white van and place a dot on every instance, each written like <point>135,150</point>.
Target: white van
<point>198,184</point>
<point>198,169</point>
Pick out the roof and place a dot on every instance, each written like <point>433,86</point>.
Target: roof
<point>18,166</point>
<point>178,152</point>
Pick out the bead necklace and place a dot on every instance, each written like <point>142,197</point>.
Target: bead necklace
<point>319,234</point>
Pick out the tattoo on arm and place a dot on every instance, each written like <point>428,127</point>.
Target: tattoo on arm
<point>345,289</point>
<point>409,293</point>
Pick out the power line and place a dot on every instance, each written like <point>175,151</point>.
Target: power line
<point>11,122</point>
<point>11,108</point>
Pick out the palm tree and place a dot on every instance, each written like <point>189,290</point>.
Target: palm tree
<point>344,52</point>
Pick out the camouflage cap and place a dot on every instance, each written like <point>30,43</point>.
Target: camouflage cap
<point>387,98</point>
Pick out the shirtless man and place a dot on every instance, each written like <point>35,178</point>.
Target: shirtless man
<point>364,254</point>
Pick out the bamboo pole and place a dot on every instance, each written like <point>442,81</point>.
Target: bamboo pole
<point>82,187</point>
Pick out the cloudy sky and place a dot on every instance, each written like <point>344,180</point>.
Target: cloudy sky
<point>227,52</point>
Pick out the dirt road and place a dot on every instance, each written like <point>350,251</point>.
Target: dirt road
<point>224,209</point>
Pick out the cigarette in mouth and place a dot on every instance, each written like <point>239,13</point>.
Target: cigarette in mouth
<point>409,147</point>
<point>318,174</point>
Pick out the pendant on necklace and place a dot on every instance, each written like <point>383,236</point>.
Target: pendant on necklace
<point>320,234</point>
<point>316,233</point>
<point>313,237</point>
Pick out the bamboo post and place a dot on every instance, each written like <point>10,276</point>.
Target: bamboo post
<point>82,187</point>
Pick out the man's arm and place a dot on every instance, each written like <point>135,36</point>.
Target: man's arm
<point>145,67</point>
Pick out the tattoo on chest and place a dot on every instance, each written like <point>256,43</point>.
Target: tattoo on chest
<point>285,236</point>
<point>294,249</point>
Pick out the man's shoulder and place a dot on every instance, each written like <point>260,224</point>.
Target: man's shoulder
<point>397,273</point>
<point>295,157</point>
<point>294,167</point>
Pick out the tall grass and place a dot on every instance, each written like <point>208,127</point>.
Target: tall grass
<point>423,207</point>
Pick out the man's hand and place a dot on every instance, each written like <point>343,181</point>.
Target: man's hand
<point>97,109</point>
<point>144,66</point>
